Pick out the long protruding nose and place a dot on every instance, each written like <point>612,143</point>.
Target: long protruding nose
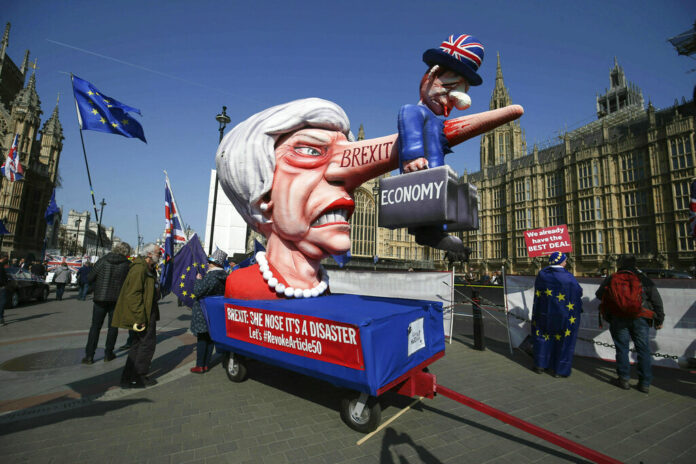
<point>354,163</point>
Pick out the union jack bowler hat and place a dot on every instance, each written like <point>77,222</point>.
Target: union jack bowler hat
<point>462,54</point>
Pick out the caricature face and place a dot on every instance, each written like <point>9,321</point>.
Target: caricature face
<point>310,206</point>
<point>440,93</point>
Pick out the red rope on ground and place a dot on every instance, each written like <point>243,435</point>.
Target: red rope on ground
<point>577,448</point>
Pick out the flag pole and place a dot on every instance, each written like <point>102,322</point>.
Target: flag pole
<point>89,176</point>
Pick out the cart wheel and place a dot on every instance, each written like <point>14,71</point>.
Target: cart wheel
<point>370,417</point>
<point>234,367</point>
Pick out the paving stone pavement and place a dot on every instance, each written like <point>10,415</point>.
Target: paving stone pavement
<point>69,412</point>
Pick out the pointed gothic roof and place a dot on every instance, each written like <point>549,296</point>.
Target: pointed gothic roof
<point>500,96</point>
<point>27,97</point>
<point>53,125</point>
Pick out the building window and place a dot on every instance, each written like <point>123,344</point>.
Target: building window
<point>600,242</point>
<point>499,223</point>
<point>588,242</point>
<point>598,208</point>
<point>527,190</point>
<point>595,174</point>
<point>530,223</point>
<point>681,195</point>
<point>556,215</point>
<point>584,175</point>
<point>632,167</point>
<point>636,240</point>
<point>499,197</point>
<point>497,249</point>
<point>587,212</point>
<point>681,153</point>
<point>554,185</point>
<point>519,191</point>
<point>686,243</point>
<point>521,247</point>
<point>520,222</point>
<point>635,204</point>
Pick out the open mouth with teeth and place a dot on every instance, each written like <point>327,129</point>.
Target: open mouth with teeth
<point>338,212</point>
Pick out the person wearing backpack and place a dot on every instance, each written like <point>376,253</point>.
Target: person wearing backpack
<point>555,317</point>
<point>631,304</point>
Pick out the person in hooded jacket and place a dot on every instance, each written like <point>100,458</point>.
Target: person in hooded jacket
<point>61,277</point>
<point>212,283</point>
<point>107,277</point>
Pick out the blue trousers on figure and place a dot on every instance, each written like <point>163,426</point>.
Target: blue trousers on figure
<point>624,330</point>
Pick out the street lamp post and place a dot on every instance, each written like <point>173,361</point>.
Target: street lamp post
<point>101,215</point>
<point>222,120</point>
<point>77,235</point>
<point>375,191</point>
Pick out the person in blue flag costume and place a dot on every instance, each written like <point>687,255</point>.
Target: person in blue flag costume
<point>555,317</point>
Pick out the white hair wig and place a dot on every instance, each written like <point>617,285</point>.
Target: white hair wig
<point>245,159</point>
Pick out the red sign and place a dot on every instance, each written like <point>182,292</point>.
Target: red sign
<point>311,337</point>
<point>545,241</point>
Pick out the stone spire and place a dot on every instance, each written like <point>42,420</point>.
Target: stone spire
<point>53,126</point>
<point>361,133</point>
<point>5,41</point>
<point>27,97</point>
<point>51,143</point>
<point>501,96</point>
<point>25,63</point>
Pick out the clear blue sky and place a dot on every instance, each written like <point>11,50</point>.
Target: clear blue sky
<point>179,62</point>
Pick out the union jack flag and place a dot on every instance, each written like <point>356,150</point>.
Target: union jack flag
<point>464,47</point>
<point>173,233</point>
<point>172,221</point>
<point>11,168</point>
<point>73,262</point>
<point>692,211</point>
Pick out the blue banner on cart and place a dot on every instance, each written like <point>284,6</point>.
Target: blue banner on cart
<point>352,341</point>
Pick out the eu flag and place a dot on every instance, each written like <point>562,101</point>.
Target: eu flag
<point>99,112</point>
<point>556,319</point>
<point>52,209</point>
<point>188,262</point>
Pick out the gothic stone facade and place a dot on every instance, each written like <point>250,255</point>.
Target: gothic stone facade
<point>23,203</point>
<point>620,183</point>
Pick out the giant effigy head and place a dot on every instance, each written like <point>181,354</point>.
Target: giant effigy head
<point>291,171</point>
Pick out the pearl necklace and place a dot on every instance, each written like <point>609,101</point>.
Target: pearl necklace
<point>290,292</point>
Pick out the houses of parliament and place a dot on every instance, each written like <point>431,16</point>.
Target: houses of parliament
<point>621,184</point>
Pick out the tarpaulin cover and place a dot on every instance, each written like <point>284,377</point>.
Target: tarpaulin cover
<point>353,341</point>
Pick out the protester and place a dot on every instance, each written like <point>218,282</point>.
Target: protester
<point>82,280</point>
<point>107,277</point>
<point>3,285</point>
<point>604,272</point>
<point>137,309</point>
<point>61,277</point>
<point>497,278</point>
<point>213,283</point>
<point>38,269</point>
<point>555,317</point>
<point>23,264</point>
<point>631,304</point>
